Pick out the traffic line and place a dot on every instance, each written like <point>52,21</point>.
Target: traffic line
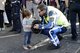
<point>42,43</point>
<point>16,35</point>
<point>77,50</point>
<point>9,36</point>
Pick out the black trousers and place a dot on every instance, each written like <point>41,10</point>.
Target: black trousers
<point>16,17</point>
<point>1,18</point>
<point>62,6</point>
<point>74,10</point>
<point>8,12</point>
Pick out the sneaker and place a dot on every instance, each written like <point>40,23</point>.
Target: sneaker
<point>74,38</point>
<point>1,29</point>
<point>12,30</point>
<point>25,48</point>
<point>29,46</point>
<point>8,24</point>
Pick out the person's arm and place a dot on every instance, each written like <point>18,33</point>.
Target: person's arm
<point>46,26</point>
<point>67,3</point>
<point>57,2</point>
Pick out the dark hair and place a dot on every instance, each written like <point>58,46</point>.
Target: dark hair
<point>26,13</point>
<point>41,7</point>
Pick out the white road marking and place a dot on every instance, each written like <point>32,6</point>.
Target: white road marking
<point>77,50</point>
<point>9,36</point>
<point>43,41</point>
<point>40,44</point>
<point>19,34</point>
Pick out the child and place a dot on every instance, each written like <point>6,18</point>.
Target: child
<point>27,22</point>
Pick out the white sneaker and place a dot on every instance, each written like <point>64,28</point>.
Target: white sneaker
<point>3,28</point>
<point>25,47</point>
<point>29,46</point>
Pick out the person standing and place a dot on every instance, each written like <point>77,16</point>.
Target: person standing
<point>27,23</point>
<point>2,5</point>
<point>16,6</point>
<point>74,11</point>
<point>8,12</point>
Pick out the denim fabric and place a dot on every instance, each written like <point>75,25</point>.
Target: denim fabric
<point>27,38</point>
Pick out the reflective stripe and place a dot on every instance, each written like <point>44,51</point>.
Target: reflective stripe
<point>55,39</point>
<point>15,2</point>
<point>46,19</point>
<point>42,27</point>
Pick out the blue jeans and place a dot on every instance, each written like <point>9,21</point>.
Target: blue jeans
<point>27,38</point>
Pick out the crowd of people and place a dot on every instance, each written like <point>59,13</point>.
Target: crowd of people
<point>55,17</point>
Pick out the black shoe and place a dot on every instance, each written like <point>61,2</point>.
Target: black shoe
<point>74,38</point>
<point>17,32</point>
<point>52,47</point>
<point>60,37</point>
<point>12,30</point>
<point>8,24</point>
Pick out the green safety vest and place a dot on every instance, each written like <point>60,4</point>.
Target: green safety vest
<point>46,19</point>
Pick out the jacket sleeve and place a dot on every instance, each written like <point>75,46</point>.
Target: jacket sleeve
<point>46,26</point>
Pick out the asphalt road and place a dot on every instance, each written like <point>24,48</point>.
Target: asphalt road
<point>12,43</point>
